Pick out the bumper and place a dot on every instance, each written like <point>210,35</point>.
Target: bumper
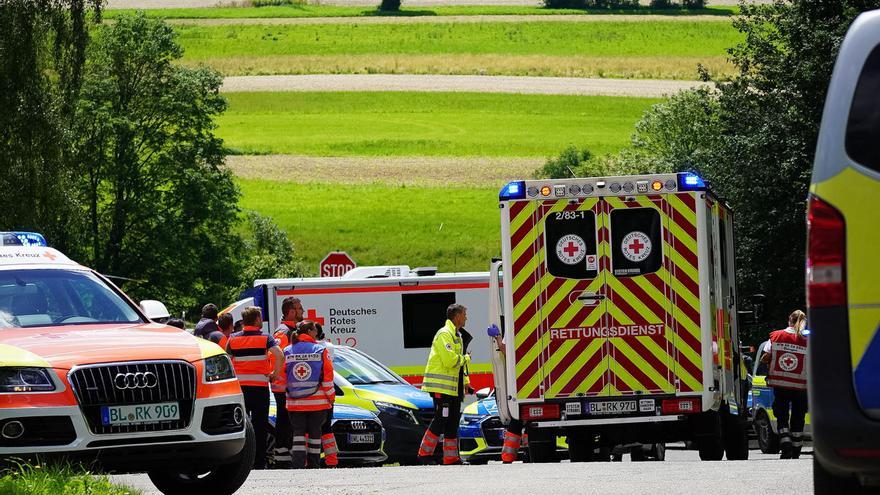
<point>839,426</point>
<point>134,451</point>
<point>402,438</point>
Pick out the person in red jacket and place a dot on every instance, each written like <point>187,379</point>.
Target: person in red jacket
<point>786,353</point>
<point>291,314</point>
<point>250,350</point>
<point>310,394</point>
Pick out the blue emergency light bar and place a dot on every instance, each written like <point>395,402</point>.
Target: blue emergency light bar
<point>22,239</point>
<point>690,182</point>
<point>513,190</point>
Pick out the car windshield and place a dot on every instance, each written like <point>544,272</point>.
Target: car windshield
<point>359,369</point>
<point>39,298</point>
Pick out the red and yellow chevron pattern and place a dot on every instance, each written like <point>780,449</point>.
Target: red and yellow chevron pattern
<point>666,361</point>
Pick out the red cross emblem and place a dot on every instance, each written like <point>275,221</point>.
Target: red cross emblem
<point>49,255</point>
<point>313,316</point>
<point>636,246</point>
<point>302,371</point>
<point>571,250</point>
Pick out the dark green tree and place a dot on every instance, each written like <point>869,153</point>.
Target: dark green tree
<point>42,54</point>
<point>161,207</point>
<point>754,138</point>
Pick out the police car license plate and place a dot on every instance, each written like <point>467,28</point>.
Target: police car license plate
<point>140,414</point>
<point>361,438</point>
<point>612,407</point>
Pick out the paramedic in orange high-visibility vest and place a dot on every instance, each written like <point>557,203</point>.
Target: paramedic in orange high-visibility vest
<point>786,353</point>
<point>250,350</point>
<point>328,439</point>
<point>446,380</point>
<point>291,315</point>
<point>310,394</point>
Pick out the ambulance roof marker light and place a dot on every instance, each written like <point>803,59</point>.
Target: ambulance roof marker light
<point>688,181</point>
<point>513,190</point>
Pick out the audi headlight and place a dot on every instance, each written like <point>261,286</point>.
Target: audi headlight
<point>468,419</point>
<point>218,368</point>
<point>400,412</point>
<point>26,380</point>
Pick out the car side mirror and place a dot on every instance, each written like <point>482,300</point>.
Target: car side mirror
<point>155,310</point>
<point>483,393</point>
<point>338,390</point>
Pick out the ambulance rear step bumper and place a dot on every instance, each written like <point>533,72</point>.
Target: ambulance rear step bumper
<point>607,421</point>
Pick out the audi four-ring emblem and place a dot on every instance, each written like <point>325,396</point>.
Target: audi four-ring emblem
<point>358,425</point>
<point>127,381</point>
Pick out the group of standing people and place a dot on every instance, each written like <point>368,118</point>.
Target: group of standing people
<point>295,366</point>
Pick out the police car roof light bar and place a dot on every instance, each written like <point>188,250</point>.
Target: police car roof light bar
<point>513,190</point>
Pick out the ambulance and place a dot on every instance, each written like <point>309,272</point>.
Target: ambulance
<point>617,300</point>
<point>389,312</point>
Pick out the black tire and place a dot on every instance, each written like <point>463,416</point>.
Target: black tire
<point>542,446</point>
<point>478,462</point>
<point>768,441</point>
<point>222,480</point>
<point>709,434</point>
<point>581,446</point>
<point>826,483</point>
<point>658,452</point>
<point>637,454</point>
<point>736,436</point>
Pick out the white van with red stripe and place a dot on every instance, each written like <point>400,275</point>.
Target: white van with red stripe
<point>388,312</point>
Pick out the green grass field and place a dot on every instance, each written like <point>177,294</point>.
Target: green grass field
<point>455,229</point>
<point>293,11</point>
<point>647,49</point>
<point>426,124</point>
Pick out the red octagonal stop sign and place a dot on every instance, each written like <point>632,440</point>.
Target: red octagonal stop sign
<point>336,264</point>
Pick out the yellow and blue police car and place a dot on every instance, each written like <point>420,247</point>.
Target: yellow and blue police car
<point>843,275</point>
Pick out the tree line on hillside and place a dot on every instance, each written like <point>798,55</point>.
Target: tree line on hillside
<point>752,138</point>
<point>108,149</point>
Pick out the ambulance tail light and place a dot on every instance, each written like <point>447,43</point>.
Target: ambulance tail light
<point>533,412</point>
<point>681,406</point>
<point>513,190</point>
<point>826,252</point>
<point>690,182</point>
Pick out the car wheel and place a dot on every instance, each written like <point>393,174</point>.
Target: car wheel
<point>709,433</point>
<point>637,454</point>
<point>736,438</point>
<point>658,452</point>
<point>222,480</point>
<point>827,483</point>
<point>542,446</point>
<point>477,462</point>
<point>768,441</point>
<point>581,445</point>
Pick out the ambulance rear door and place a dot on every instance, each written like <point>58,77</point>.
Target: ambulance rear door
<point>556,286</point>
<point>637,288</point>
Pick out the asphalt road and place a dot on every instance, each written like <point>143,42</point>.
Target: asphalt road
<point>681,473</point>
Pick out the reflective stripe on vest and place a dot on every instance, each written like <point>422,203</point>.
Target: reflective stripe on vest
<point>304,365</point>
<point>443,382</point>
<point>279,385</point>
<point>250,358</point>
<point>788,361</point>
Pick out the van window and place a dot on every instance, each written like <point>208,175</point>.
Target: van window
<point>570,243</point>
<point>863,126</point>
<point>423,315</point>
<point>636,242</point>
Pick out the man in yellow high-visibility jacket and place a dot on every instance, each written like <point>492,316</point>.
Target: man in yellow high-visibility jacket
<point>446,380</point>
